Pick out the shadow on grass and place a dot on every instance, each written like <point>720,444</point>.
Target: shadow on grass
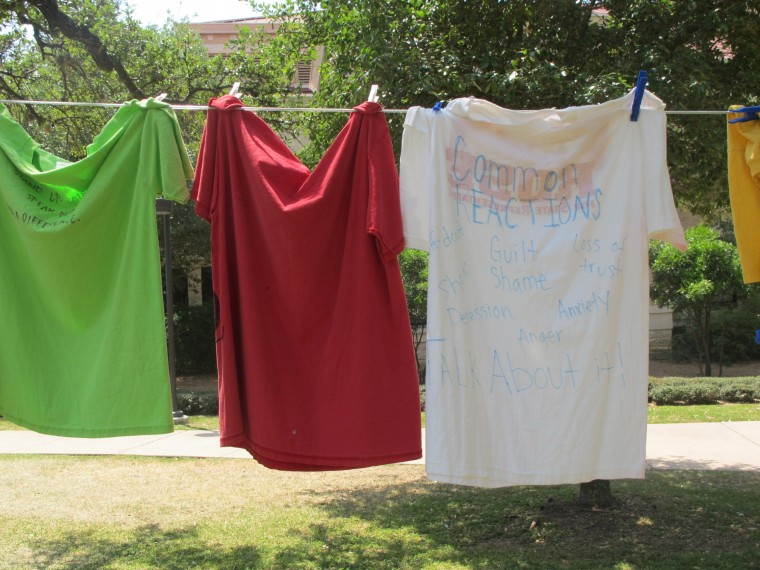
<point>671,520</point>
<point>145,547</point>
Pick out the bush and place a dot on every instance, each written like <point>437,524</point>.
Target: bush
<point>662,391</point>
<point>732,338</point>
<point>195,347</point>
<point>198,403</point>
<point>697,391</point>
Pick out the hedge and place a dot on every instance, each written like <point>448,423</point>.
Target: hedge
<point>198,403</point>
<point>696,391</point>
<point>662,391</point>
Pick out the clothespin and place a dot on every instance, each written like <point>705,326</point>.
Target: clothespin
<point>160,97</point>
<point>373,96</point>
<point>439,105</point>
<point>750,114</point>
<point>235,87</point>
<point>638,96</point>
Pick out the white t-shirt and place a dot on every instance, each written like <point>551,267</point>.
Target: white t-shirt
<point>537,224</point>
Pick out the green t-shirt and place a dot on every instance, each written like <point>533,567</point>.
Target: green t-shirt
<point>83,345</point>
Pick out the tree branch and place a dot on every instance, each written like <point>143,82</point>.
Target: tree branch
<point>5,87</point>
<point>60,22</point>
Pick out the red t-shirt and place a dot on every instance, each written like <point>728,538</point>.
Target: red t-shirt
<point>314,349</point>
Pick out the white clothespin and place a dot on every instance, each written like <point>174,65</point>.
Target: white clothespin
<point>235,87</point>
<point>160,97</point>
<point>373,96</point>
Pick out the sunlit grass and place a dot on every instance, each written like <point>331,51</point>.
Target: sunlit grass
<point>708,413</point>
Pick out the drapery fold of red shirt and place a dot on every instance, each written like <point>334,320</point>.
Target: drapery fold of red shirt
<point>315,358</point>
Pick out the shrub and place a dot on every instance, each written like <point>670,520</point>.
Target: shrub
<point>198,403</point>
<point>662,391</point>
<point>696,391</point>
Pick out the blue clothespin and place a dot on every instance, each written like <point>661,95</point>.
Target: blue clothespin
<point>750,114</point>
<point>439,105</point>
<point>638,96</point>
<point>757,337</point>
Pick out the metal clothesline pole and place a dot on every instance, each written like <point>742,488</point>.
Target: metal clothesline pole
<point>164,210</point>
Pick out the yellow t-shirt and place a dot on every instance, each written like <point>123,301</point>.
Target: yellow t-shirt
<point>744,189</point>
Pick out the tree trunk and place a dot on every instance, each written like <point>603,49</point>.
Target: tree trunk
<point>705,326</point>
<point>596,493</point>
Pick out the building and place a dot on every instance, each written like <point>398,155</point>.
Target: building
<point>216,35</point>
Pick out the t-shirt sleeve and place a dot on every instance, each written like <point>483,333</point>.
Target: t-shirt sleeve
<point>203,192</point>
<point>415,172</point>
<point>662,218</point>
<point>384,210</point>
<point>172,168</point>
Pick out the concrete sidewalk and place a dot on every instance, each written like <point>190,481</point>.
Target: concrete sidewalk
<point>730,446</point>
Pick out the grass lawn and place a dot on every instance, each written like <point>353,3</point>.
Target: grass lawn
<point>707,413</point>
<point>119,512</point>
<point>128,512</point>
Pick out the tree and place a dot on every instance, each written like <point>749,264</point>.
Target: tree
<point>694,282</point>
<point>414,272</point>
<point>94,51</point>
<point>699,55</point>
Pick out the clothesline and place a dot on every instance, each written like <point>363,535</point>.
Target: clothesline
<point>266,109</point>
<point>190,107</point>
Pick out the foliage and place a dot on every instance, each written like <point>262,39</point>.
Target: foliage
<point>414,272</point>
<point>696,281</point>
<point>57,50</point>
<point>700,391</point>
<point>538,54</point>
<point>733,338</point>
<point>517,54</point>
<point>194,333</point>
<point>198,403</point>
